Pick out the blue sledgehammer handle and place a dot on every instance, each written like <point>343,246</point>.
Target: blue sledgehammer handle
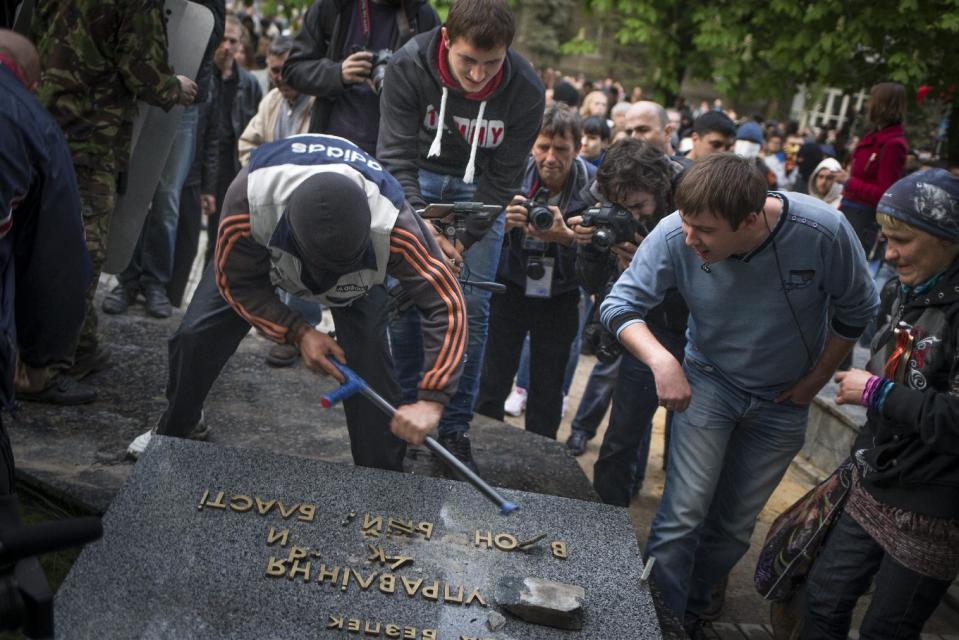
<point>356,384</point>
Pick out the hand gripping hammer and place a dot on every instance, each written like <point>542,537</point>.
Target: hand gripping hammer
<point>356,384</point>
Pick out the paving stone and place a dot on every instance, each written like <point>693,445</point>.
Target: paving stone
<point>541,601</point>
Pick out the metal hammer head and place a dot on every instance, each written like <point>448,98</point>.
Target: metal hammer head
<point>353,384</point>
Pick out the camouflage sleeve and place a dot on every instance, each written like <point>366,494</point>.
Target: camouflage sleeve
<point>142,55</point>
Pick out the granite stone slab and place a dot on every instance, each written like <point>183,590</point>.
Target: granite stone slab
<point>205,541</point>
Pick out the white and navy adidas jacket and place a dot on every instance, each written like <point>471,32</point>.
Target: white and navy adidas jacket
<point>254,255</point>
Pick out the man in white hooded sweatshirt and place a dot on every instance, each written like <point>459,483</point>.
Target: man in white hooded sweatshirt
<point>459,113</point>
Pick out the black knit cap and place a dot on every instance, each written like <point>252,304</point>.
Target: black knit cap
<point>330,220</point>
<point>927,200</point>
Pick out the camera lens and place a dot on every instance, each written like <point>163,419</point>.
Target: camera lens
<point>540,217</point>
<point>535,270</point>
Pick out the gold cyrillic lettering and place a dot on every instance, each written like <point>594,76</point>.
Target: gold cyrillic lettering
<point>245,501</point>
<point>409,633</point>
<point>376,554</point>
<point>449,598</point>
<point>364,584</point>
<point>273,536</point>
<point>307,513</point>
<point>296,553</point>
<point>371,628</point>
<point>305,570</point>
<point>399,561</point>
<point>275,568</point>
<point>370,522</point>
<point>475,595</point>
<point>286,513</point>
<point>505,542</point>
<point>392,631</point>
<point>206,494</point>
<point>388,583</point>
<point>432,592</point>
<point>218,502</point>
<point>429,634</point>
<point>326,574</point>
<point>411,586</point>
<point>346,579</point>
<point>426,528</point>
<point>335,623</point>
<point>353,625</point>
<point>263,508</point>
<point>559,549</point>
<point>397,526</point>
<point>488,539</point>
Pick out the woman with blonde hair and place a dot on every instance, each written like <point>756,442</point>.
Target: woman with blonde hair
<point>594,104</point>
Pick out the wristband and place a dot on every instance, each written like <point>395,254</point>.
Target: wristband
<point>868,390</point>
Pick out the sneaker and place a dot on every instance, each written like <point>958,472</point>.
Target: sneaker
<point>562,413</point>
<point>61,390</point>
<point>459,445</point>
<point>157,303</point>
<point>282,355</point>
<point>576,443</point>
<point>695,629</point>
<point>89,362</point>
<point>120,299</point>
<point>139,444</point>
<point>516,402</point>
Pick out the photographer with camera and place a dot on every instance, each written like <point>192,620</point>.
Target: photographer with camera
<point>635,180</point>
<point>458,115</point>
<point>538,268</point>
<point>340,57</point>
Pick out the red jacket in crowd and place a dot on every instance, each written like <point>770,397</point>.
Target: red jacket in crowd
<point>876,163</point>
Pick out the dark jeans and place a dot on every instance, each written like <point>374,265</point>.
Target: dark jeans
<point>596,397</point>
<point>211,331</point>
<point>187,242</point>
<point>552,324</point>
<point>8,483</point>
<point>902,601</point>
<point>625,448</point>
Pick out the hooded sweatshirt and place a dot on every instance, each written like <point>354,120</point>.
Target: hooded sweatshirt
<point>426,124</point>
<point>834,197</point>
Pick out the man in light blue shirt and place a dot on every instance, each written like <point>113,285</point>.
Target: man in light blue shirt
<point>778,292</point>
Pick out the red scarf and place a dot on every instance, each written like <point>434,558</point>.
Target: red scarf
<point>8,62</point>
<point>446,75</point>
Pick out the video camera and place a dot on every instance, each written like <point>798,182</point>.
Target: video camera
<point>537,210</point>
<point>458,219</point>
<point>614,224</point>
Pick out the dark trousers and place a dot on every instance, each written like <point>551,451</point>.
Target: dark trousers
<point>902,601</point>
<point>187,242</point>
<point>211,331</point>
<point>8,483</point>
<point>552,324</point>
<point>622,456</point>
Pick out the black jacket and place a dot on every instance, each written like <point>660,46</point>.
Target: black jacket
<point>245,103</point>
<point>908,454</point>
<point>409,109</point>
<point>573,201</point>
<point>313,66</point>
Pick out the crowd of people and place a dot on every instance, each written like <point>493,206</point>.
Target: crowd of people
<point>719,268</point>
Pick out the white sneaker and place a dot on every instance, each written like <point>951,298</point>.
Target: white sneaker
<point>140,443</point>
<point>565,406</point>
<point>516,402</point>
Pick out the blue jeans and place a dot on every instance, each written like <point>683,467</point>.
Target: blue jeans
<point>901,603</point>
<point>405,334</point>
<point>152,261</point>
<point>727,453</point>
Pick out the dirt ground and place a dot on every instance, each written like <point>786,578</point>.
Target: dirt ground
<point>743,603</point>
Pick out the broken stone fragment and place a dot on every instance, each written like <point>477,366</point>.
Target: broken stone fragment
<point>495,621</point>
<point>545,602</point>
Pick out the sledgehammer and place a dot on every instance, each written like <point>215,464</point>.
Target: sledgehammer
<point>356,384</point>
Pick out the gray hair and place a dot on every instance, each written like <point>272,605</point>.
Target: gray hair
<point>280,45</point>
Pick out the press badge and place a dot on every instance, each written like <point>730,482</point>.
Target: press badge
<point>539,276</point>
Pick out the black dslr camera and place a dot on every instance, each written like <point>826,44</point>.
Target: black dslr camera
<point>537,210</point>
<point>458,219</point>
<point>614,224</point>
<point>380,59</point>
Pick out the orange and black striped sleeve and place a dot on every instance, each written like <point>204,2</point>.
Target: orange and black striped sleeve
<point>242,270</point>
<point>417,262</point>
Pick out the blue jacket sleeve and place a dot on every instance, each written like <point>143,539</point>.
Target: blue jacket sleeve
<point>853,293</point>
<point>642,286</point>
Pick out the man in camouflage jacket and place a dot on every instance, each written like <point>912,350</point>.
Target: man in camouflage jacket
<point>99,58</point>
